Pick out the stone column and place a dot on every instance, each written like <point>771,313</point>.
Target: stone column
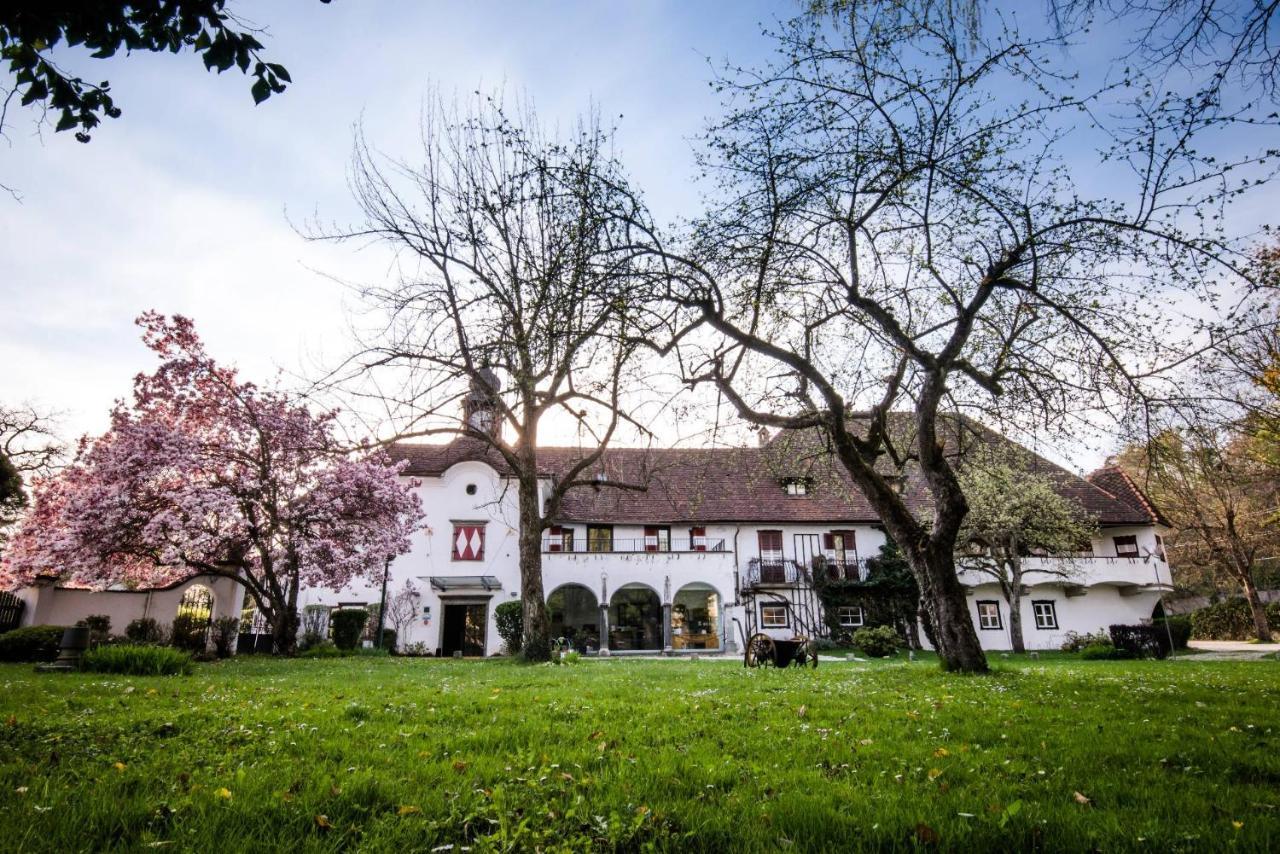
<point>604,629</point>
<point>667,649</point>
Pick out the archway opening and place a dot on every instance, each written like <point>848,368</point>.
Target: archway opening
<point>695,617</point>
<point>575,616</point>
<point>635,619</point>
<point>191,621</point>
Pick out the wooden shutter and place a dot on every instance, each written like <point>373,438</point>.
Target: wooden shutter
<point>468,542</point>
<point>555,539</point>
<point>698,538</point>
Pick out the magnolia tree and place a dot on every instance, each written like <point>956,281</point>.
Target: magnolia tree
<point>1015,512</point>
<point>206,474</point>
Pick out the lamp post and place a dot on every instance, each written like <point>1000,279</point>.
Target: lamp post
<point>382,603</point>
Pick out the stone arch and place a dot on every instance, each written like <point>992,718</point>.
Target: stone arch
<point>697,613</point>
<point>574,613</point>
<point>193,616</point>
<point>635,618</point>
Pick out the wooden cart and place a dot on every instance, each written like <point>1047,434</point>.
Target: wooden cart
<point>762,650</point>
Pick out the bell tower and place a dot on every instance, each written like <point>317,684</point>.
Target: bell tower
<point>480,406</point>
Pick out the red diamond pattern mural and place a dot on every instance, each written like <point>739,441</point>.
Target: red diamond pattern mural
<point>468,542</point>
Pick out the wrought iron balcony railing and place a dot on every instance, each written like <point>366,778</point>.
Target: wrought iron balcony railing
<point>636,545</point>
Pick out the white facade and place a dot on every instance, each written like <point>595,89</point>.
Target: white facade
<point>685,586</point>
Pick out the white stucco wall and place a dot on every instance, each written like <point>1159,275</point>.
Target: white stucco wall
<point>59,606</point>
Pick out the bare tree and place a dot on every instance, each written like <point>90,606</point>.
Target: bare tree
<point>402,609</point>
<point>896,227</point>
<point>516,303</point>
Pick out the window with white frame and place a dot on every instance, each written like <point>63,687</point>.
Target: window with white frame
<point>774,616</point>
<point>1126,546</point>
<point>1046,614</point>
<point>849,616</point>
<point>989,615</point>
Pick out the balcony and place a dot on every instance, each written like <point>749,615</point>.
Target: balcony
<point>781,572</point>
<point>637,545</point>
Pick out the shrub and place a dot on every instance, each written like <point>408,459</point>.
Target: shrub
<point>417,648</point>
<point>143,630</point>
<point>99,626</point>
<point>1229,619</point>
<point>348,625</point>
<point>1098,652</point>
<point>137,660</point>
<point>189,633</point>
<point>323,649</point>
<point>225,631</point>
<point>388,638</point>
<point>510,619</point>
<point>1140,641</point>
<point>1077,641</point>
<point>876,642</point>
<point>1178,627</point>
<point>33,643</point>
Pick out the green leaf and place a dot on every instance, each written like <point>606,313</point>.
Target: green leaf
<point>279,71</point>
<point>261,91</point>
<point>66,122</point>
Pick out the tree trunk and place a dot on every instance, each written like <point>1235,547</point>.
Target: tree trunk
<point>1261,627</point>
<point>536,635</point>
<point>943,598</point>
<point>1014,597</point>
<point>284,630</point>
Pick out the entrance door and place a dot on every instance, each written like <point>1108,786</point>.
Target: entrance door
<point>464,629</point>
<point>807,547</point>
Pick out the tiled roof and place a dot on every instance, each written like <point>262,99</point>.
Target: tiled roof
<point>1116,482</point>
<point>745,484</point>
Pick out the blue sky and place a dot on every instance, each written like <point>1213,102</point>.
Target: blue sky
<point>185,203</point>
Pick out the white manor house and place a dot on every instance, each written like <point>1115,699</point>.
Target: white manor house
<point>720,544</point>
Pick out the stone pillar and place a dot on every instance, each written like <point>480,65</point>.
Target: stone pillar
<point>667,649</point>
<point>604,629</point>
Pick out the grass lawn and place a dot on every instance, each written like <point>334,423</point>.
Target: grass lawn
<point>408,754</point>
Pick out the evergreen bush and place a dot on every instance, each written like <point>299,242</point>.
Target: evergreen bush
<point>1229,619</point>
<point>33,643</point>
<point>510,619</point>
<point>99,626</point>
<point>348,626</point>
<point>1140,641</point>
<point>877,642</point>
<point>143,630</point>
<point>1177,626</point>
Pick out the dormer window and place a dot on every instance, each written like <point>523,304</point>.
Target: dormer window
<point>797,487</point>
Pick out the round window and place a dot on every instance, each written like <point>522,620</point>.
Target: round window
<point>471,489</point>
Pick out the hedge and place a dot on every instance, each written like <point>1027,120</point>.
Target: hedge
<point>348,625</point>
<point>33,643</point>
<point>1140,641</point>
<point>1230,619</point>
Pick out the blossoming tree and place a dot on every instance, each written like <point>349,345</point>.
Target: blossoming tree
<point>204,473</point>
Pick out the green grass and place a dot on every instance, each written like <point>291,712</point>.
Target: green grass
<point>386,754</point>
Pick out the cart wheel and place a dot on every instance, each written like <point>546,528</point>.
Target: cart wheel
<point>808,654</point>
<point>760,651</point>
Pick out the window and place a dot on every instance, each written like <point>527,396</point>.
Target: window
<point>796,487</point>
<point>599,538</point>
<point>770,546</point>
<point>774,616</point>
<point>849,616</point>
<point>989,615</point>
<point>1126,546</point>
<point>1046,614</point>
<point>657,538</point>
<point>1160,548</point>
<point>842,552</point>
<point>559,539</point>
<point>468,541</point>
<point>698,538</point>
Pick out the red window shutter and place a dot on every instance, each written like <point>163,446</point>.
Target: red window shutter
<point>555,539</point>
<point>770,541</point>
<point>650,534</point>
<point>698,538</point>
<point>829,541</point>
<point>468,542</point>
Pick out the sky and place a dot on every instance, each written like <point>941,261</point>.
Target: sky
<point>191,201</point>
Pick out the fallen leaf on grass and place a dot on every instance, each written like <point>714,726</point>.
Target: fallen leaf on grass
<point>459,766</point>
<point>1081,799</point>
<point>802,711</point>
<point>322,822</point>
<point>1237,824</point>
<point>926,835</point>
<point>119,766</point>
<point>224,793</point>
<point>941,751</point>
<point>409,809</point>
<point>935,773</point>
